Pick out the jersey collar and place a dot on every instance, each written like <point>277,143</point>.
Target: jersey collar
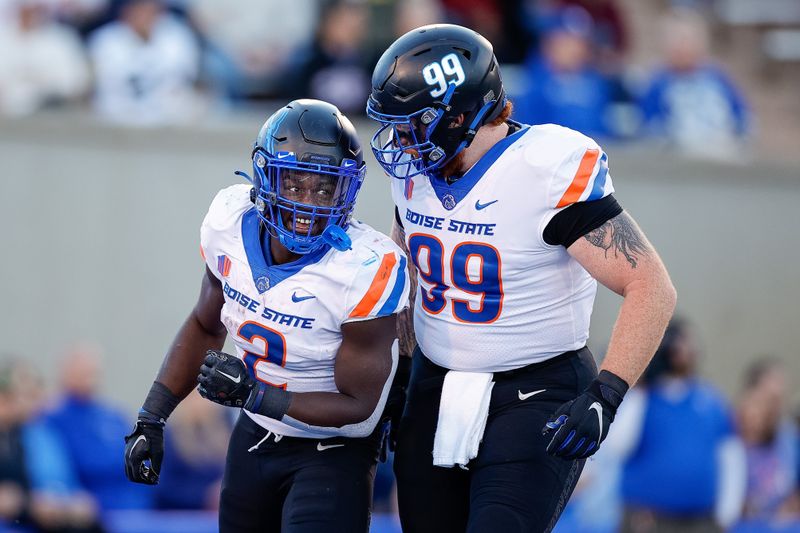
<point>265,274</point>
<point>450,195</point>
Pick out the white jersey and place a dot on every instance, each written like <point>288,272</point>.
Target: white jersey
<point>493,295</point>
<point>285,320</point>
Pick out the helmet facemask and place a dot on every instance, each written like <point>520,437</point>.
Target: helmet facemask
<point>305,204</point>
<point>402,144</point>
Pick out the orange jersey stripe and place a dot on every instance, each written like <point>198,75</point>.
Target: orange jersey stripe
<point>377,287</point>
<point>581,179</point>
<point>202,253</point>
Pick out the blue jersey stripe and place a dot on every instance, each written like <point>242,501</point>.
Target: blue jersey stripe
<point>399,284</point>
<point>599,180</point>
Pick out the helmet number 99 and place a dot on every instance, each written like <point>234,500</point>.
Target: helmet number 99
<point>437,74</point>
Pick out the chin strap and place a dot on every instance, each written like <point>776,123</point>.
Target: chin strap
<point>334,236</point>
<point>337,238</point>
<point>243,174</point>
<point>476,124</point>
<point>469,136</point>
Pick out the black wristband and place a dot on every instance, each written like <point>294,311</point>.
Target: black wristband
<point>160,401</point>
<point>272,402</point>
<point>612,387</point>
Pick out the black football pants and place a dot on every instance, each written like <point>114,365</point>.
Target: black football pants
<point>296,485</point>
<point>513,485</point>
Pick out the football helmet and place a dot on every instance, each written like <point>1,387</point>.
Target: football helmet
<point>307,170</point>
<point>431,91</point>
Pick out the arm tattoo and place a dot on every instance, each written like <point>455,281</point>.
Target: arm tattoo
<point>405,319</point>
<point>621,235</point>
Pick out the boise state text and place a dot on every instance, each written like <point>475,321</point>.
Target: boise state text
<point>272,315</point>
<point>456,226</point>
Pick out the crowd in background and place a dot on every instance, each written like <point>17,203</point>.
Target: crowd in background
<point>679,458</point>
<point>61,453</point>
<point>156,62</point>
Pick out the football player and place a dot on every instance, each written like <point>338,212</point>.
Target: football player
<point>309,298</point>
<point>509,227</point>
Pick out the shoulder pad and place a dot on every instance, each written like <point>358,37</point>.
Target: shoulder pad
<point>577,165</point>
<point>380,286</point>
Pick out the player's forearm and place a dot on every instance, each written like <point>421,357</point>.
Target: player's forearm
<point>330,409</point>
<point>646,309</point>
<point>405,319</point>
<point>182,363</point>
<point>405,330</point>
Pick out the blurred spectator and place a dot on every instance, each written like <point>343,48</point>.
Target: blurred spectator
<point>14,482</point>
<point>42,62</point>
<point>38,486</point>
<point>684,467</point>
<point>770,438</point>
<point>500,22</point>
<point>562,86</point>
<point>594,506</point>
<point>610,35</point>
<point>146,64</point>
<point>196,441</point>
<point>411,14</point>
<point>337,65</point>
<point>251,44</point>
<point>83,15</point>
<point>691,102</point>
<point>93,432</point>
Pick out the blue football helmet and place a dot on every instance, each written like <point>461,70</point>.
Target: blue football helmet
<point>432,89</point>
<point>307,170</point>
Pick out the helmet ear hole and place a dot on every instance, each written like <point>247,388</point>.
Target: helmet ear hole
<point>457,121</point>
<point>253,195</point>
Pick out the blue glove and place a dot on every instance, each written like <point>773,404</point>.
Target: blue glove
<point>581,424</point>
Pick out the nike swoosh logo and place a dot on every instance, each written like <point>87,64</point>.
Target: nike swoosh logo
<point>236,379</point>
<point>139,439</point>
<point>599,409</point>
<point>321,447</point>
<point>298,299</point>
<point>284,156</point>
<point>525,396</point>
<point>479,205</point>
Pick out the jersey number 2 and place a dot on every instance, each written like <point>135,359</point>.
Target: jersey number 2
<point>474,268</point>
<point>274,348</point>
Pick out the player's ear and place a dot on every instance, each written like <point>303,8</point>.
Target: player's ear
<point>457,121</point>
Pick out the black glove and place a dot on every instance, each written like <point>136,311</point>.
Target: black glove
<point>582,424</point>
<point>224,380</point>
<point>145,445</point>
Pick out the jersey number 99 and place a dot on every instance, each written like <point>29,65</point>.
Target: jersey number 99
<point>442,73</point>
<point>472,267</point>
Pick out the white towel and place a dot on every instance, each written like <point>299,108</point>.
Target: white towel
<point>463,411</point>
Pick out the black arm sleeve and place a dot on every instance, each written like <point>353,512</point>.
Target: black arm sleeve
<point>579,219</point>
<point>397,217</point>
